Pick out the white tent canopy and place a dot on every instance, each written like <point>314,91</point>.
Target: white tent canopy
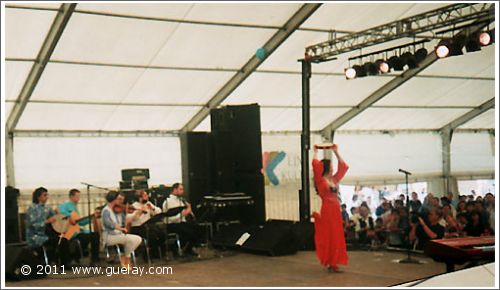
<point>152,66</point>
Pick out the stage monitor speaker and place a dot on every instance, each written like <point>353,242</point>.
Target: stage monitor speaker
<point>128,174</point>
<point>19,255</point>
<point>12,234</point>
<point>227,235</point>
<point>274,238</point>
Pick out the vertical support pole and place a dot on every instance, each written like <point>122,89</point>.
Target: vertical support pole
<point>304,193</point>
<point>9,159</point>
<point>446,149</point>
<point>88,207</point>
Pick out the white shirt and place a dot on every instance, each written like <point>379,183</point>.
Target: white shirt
<point>174,201</point>
<point>137,221</point>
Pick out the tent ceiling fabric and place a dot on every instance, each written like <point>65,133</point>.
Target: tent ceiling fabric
<point>437,92</point>
<point>393,119</point>
<point>197,59</point>
<point>136,85</point>
<point>98,117</point>
<point>25,31</point>
<point>15,75</point>
<point>484,121</point>
<point>262,14</point>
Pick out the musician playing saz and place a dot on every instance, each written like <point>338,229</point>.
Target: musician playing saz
<point>189,233</point>
<point>85,237</point>
<point>39,233</point>
<point>144,210</point>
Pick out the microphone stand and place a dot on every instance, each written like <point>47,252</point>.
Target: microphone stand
<point>409,259</point>
<point>88,199</point>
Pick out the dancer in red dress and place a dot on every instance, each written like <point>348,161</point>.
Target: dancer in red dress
<point>329,230</point>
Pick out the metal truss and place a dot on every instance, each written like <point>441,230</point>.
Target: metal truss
<point>408,27</point>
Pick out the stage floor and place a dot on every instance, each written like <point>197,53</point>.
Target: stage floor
<point>224,269</point>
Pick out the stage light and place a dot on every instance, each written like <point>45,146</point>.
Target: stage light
<point>396,63</point>
<point>485,38</point>
<point>371,69</point>
<point>360,71</point>
<point>473,43</point>
<point>443,49</point>
<point>350,73</point>
<point>382,66</point>
<point>420,54</point>
<point>409,59</point>
<point>457,45</point>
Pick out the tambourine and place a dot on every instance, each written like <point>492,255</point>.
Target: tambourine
<point>325,146</point>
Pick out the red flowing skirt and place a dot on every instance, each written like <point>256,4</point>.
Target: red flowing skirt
<point>329,234</point>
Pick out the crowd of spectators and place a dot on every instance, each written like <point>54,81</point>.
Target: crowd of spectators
<point>395,224</point>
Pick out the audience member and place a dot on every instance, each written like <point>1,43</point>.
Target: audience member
<point>475,226</point>
<point>415,203</point>
<point>364,226</point>
<point>423,231</point>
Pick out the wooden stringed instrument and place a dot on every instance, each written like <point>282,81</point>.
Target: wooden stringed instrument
<point>65,228</point>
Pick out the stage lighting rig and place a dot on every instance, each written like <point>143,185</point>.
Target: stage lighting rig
<point>397,62</point>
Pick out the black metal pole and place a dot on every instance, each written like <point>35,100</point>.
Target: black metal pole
<point>408,249</point>
<point>88,206</point>
<point>408,260</point>
<point>304,193</point>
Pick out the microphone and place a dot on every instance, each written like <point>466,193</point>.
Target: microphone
<point>404,171</point>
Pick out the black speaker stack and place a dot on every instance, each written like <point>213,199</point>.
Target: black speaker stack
<point>228,159</point>
<point>12,234</point>
<point>17,254</point>
<point>133,179</point>
<point>22,262</point>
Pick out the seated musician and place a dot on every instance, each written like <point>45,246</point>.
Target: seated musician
<point>189,232</point>
<point>84,236</point>
<point>38,226</point>
<point>114,227</point>
<point>428,230</point>
<point>144,210</point>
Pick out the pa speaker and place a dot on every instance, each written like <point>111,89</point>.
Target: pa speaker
<point>127,174</point>
<point>11,215</point>
<point>274,238</point>
<point>227,236</point>
<point>18,257</point>
<point>197,165</point>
